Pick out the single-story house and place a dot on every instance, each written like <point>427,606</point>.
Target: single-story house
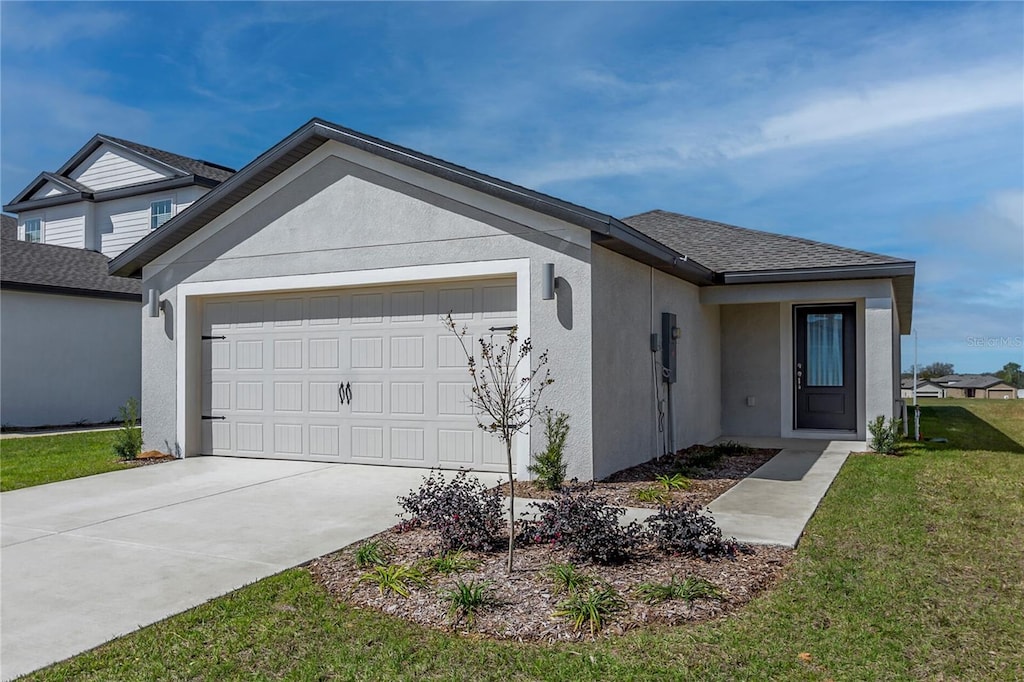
<point>925,389</point>
<point>70,334</point>
<point>296,313</point>
<point>975,386</point>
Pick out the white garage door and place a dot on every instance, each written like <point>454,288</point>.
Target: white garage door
<point>357,375</point>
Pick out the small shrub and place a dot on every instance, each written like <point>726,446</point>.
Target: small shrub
<point>464,512</point>
<point>685,529</point>
<point>674,482</point>
<point>373,553</point>
<point>885,435</point>
<point>593,607</point>
<point>688,589</point>
<point>567,578</point>
<point>704,457</point>
<point>451,562</point>
<point>549,466</point>
<point>731,448</point>
<point>651,495</point>
<point>395,578</point>
<point>465,599</point>
<point>128,439</point>
<point>586,525</point>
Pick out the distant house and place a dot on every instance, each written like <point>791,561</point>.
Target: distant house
<point>975,386</point>
<point>925,389</point>
<point>69,334</point>
<point>111,194</point>
<point>71,343</point>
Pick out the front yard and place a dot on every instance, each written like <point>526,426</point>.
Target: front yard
<point>37,460</point>
<point>912,568</point>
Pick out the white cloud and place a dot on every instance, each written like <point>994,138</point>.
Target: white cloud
<point>837,117</point>
<point>28,27</point>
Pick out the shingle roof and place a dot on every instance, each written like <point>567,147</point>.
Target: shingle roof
<point>204,169</point>
<point>909,383</point>
<point>8,226</point>
<point>728,248</point>
<point>60,269</point>
<point>968,380</point>
<point>65,180</point>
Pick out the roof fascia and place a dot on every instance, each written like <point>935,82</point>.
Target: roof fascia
<point>110,194</point>
<point>69,291</point>
<point>28,191</point>
<point>901,269</point>
<point>627,240</point>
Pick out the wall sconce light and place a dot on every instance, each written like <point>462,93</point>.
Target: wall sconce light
<point>154,303</point>
<point>547,287</point>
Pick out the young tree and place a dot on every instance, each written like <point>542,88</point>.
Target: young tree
<point>504,402</point>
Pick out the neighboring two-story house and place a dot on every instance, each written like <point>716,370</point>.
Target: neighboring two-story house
<point>71,344</point>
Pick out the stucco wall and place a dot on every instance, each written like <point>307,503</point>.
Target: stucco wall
<point>66,359</point>
<point>628,300</point>
<point>750,368</point>
<point>362,213</point>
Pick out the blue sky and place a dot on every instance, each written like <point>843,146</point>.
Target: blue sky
<point>889,127</point>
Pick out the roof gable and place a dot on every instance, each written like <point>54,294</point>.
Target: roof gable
<point>111,167</point>
<point>111,164</point>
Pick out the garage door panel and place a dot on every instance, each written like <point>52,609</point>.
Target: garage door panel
<point>367,352</point>
<point>275,377</point>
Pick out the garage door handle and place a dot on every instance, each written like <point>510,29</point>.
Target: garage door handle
<point>206,416</point>
<point>345,393</point>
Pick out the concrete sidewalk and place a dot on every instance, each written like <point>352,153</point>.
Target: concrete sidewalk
<point>773,505</point>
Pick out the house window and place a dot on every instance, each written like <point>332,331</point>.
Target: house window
<point>160,213</point>
<point>34,230</point>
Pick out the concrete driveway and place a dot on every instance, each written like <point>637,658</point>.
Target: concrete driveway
<point>87,560</point>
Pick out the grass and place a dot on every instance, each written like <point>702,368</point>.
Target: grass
<point>37,460</point>
<point>912,568</point>
<point>688,589</point>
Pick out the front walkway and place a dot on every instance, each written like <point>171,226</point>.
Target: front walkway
<point>773,505</point>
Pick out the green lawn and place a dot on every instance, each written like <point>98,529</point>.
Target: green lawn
<point>45,459</point>
<point>913,568</point>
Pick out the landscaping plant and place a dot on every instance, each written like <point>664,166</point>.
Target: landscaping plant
<point>685,529</point>
<point>128,439</point>
<point>373,553</point>
<point>688,589</point>
<point>549,466</point>
<point>450,562</point>
<point>464,512</point>
<point>586,525</point>
<point>651,494</point>
<point>567,578</point>
<point>674,482</point>
<point>504,402</point>
<point>885,435</point>
<point>465,599</point>
<point>592,607</point>
<point>395,578</point>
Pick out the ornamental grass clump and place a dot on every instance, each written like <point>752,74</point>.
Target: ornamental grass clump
<point>593,607</point>
<point>688,589</point>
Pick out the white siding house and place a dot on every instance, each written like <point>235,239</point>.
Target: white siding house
<point>71,347</point>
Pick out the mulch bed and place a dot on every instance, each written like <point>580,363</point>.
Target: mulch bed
<point>708,482</point>
<point>525,602</point>
<point>147,458</point>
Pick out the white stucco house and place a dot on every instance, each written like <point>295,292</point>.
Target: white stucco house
<point>71,342</point>
<point>297,314</point>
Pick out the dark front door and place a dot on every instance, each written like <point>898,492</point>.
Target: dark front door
<point>824,370</point>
